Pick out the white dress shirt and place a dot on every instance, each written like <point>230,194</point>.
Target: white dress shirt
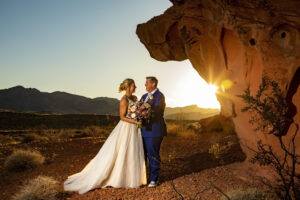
<point>151,93</point>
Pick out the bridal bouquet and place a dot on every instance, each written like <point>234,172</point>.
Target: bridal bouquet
<point>141,110</point>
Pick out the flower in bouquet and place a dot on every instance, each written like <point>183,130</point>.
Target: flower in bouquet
<point>141,110</point>
<point>133,115</point>
<point>133,108</point>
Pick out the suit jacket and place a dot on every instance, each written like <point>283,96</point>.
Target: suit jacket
<point>157,125</point>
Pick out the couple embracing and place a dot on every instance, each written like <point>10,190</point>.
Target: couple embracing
<point>121,161</point>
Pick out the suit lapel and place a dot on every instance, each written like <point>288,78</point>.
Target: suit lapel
<point>144,97</point>
<point>155,95</point>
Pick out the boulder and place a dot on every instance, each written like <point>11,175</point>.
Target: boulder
<point>232,44</point>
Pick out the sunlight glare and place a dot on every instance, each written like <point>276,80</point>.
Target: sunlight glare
<point>192,89</point>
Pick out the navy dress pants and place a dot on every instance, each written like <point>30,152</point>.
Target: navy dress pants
<point>151,149</point>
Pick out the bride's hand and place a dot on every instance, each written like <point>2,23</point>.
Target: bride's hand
<point>138,122</point>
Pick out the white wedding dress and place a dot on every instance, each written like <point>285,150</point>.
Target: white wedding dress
<point>120,162</point>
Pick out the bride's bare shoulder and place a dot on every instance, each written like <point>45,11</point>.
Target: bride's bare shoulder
<point>124,100</point>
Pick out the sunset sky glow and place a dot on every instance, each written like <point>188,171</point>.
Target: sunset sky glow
<point>87,48</point>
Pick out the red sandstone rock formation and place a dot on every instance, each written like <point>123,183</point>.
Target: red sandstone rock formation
<point>235,41</point>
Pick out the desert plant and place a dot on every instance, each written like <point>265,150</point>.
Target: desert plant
<point>194,126</point>
<point>33,137</point>
<point>91,131</point>
<point>269,111</point>
<point>215,126</point>
<point>179,129</point>
<point>21,160</point>
<point>6,139</point>
<point>217,150</point>
<point>40,188</point>
<point>65,134</point>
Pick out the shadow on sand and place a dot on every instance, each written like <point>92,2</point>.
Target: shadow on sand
<point>178,167</point>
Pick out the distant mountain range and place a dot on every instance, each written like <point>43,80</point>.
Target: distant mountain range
<point>192,112</point>
<point>32,100</point>
<point>29,99</point>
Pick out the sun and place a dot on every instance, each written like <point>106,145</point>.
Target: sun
<point>192,89</point>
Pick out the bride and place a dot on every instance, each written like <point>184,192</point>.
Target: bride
<point>120,162</point>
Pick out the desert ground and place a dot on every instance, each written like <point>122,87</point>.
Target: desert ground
<point>198,161</point>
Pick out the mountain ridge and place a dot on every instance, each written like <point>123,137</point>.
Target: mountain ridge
<point>20,98</point>
<point>23,99</point>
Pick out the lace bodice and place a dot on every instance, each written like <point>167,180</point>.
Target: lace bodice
<point>131,102</point>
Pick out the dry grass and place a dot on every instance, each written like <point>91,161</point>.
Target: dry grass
<point>6,139</point>
<point>179,129</point>
<point>37,135</point>
<point>90,131</point>
<point>33,137</point>
<point>217,150</point>
<point>251,194</point>
<point>40,188</point>
<point>21,160</point>
<point>93,131</point>
<point>64,134</point>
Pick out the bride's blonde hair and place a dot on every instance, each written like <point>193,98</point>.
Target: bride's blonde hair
<point>125,84</point>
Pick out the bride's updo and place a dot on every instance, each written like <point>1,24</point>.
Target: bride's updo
<point>125,84</point>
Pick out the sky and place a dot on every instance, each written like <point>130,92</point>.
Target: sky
<point>88,47</point>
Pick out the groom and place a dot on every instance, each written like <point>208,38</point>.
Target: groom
<point>154,131</point>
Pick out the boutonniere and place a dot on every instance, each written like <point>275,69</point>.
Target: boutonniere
<point>150,96</point>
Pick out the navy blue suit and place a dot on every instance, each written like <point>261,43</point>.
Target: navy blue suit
<point>153,133</point>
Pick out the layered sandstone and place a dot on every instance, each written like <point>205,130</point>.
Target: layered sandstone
<point>233,43</point>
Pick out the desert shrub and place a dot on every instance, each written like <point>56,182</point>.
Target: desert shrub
<point>174,129</point>
<point>215,126</point>
<point>50,131</point>
<point>270,113</point>
<point>21,160</point>
<point>179,130</point>
<point>33,137</point>
<point>40,188</point>
<point>6,139</point>
<point>217,150</point>
<point>51,134</point>
<point>195,126</point>
<point>91,131</point>
<point>65,134</point>
<point>101,131</point>
<point>250,194</point>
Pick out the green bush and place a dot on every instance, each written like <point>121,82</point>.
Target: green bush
<point>40,188</point>
<point>21,160</point>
